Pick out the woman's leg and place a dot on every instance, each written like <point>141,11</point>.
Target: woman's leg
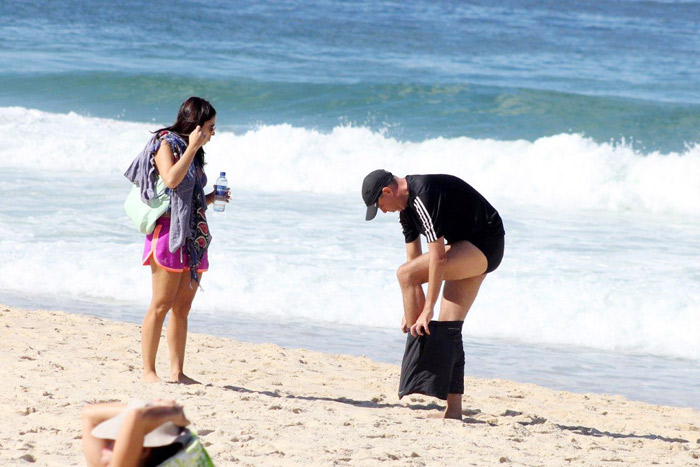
<point>165,285</point>
<point>177,328</point>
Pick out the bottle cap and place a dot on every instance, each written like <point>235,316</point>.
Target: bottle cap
<point>222,174</point>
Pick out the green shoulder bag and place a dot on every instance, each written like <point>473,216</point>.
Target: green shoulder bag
<point>144,216</point>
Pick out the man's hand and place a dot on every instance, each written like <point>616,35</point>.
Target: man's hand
<point>421,325</point>
<point>404,327</point>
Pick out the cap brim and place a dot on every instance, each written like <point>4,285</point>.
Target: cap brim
<point>371,212</point>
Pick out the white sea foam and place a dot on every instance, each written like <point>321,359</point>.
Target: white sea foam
<point>566,171</point>
<point>601,249</point>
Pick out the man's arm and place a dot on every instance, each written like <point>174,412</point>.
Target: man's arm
<point>436,272</point>
<point>413,249</point>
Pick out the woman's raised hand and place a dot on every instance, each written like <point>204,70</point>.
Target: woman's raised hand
<point>198,137</point>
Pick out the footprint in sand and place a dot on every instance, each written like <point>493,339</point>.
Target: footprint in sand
<point>28,458</point>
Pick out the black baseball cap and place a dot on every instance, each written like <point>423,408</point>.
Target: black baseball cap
<point>372,189</point>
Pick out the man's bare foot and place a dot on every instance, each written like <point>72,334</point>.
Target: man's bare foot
<point>183,379</point>
<point>150,377</point>
<point>453,410</point>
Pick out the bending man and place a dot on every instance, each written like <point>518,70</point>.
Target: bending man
<point>465,239</point>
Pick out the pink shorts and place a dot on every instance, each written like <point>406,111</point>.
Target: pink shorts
<point>157,247</point>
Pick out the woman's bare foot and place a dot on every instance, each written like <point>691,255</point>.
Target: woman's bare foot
<point>182,378</point>
<point>150,377</point>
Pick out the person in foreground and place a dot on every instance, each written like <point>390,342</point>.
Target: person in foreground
<point>465,237</point>
<point>176,250</point>
<point>140,434</point>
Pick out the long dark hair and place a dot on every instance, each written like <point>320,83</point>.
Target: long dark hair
<point>194,111</point>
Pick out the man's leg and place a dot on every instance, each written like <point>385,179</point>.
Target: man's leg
<point>464,272</point>
<point>457,298</point>
<point>464,260</point>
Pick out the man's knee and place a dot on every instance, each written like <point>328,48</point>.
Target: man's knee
<point>406,274</point>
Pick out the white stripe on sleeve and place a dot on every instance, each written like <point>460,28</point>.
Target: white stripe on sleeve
<point>425,218</point>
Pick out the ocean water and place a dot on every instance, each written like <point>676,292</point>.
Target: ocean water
<point>579,122</point>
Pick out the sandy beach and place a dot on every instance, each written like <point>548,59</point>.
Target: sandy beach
<point>268,405</point>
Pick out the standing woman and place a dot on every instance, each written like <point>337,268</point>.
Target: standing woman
<point>176,250</point>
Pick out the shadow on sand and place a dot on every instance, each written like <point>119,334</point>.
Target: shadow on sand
<point>586,431</point>
<point>372,404</point>
<point>468,414</point>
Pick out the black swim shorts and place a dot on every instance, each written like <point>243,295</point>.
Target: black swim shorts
<point>493,249</point>
<point>433,364</point>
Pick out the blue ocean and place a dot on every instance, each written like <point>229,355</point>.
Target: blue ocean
<point>579,121</point>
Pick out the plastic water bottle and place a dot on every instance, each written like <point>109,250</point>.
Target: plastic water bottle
<point>220,190</point>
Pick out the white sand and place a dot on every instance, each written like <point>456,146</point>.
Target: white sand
<point>267,405</point>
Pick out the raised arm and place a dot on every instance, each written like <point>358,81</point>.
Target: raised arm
<point>137,424</point>
<point>171,171</point>
<point>93,415</point>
